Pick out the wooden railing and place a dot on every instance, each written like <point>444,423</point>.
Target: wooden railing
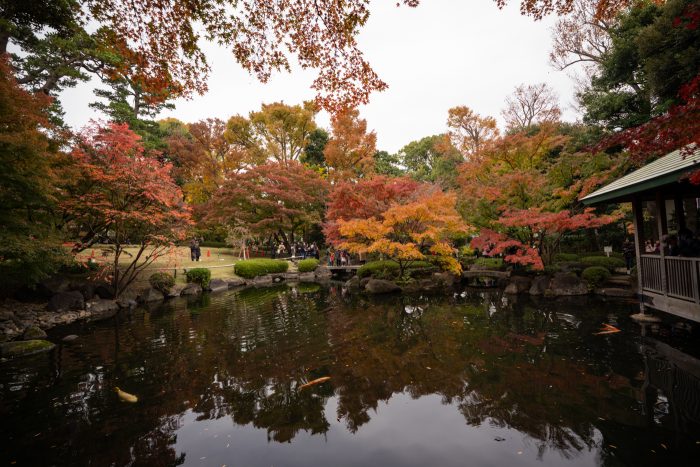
<point>682,276</point>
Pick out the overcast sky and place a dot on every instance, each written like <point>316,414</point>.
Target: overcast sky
<point>442,54</point>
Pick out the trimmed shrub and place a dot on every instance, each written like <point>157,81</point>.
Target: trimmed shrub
<point>491,263</point>
<point>161,281</point>
<point>77,267</point>
<point>603,261</point>
<point>388,269</point>
<point>200,276</point>
<point>564,257</point>
<point>307,265</point>
<point>251,268</point>
<point>595,275</point>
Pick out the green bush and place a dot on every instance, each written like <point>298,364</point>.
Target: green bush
<point>260,266</point>
<point>603,261</point>
<point>562,257</point>
<point>307,265</point>
<point>595,275</point>
<point>162,281</point>
<point>77,267</point>
<point>388,269</point>
<point>491,263</point>
<point>200,276</point>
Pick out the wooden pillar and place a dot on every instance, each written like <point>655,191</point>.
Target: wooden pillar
<point>680,211</point>
<point>663,230</point>
<point>638,219</point>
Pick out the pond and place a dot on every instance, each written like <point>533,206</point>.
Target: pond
<point>477,378</point>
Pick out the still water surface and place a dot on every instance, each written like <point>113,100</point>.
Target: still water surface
<point>475,379</point>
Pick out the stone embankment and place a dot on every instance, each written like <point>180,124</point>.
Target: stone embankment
<point>23,325</point>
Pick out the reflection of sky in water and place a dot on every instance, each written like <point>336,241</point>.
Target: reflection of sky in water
<point>476,378</point>
<point>403,432</point>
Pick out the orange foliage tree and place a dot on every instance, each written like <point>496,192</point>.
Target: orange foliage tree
<point>123,193</point>
<point>409,232</point>
<point>365,199</point>
<point>469,131</point>
<point>350,151</point>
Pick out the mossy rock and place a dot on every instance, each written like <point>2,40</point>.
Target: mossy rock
<point>25,348</point>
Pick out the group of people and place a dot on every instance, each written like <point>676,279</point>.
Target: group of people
<point>299,249</point>
<point>682,244</point>
<point>338,258</point>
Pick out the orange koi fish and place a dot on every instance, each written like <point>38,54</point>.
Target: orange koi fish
<point>316,381</point>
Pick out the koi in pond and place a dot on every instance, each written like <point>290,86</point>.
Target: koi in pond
<point>316,381</point>
<point>607,329</point>
<point>125,396</point>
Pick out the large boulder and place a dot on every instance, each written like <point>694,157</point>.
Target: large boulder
<point>353,283</point>
<point>101,308</point>
<point>518,284</point>
<point>149,295</point>
<point>105,291</point>
<point>64,301</point>
<point>263,280</point>
<point>33,332</point>
<point>539,286</point>
<point>233,283</point>
<point>291,276</point>
<point>564,284</point>
<point>444,279</point>
<point>24,348</point>
<point>323,273</point>
<point>191,289</point>
<point>307,276</point>
<point>217,285</point>
<point>52,286</point>
<point>379,286</point>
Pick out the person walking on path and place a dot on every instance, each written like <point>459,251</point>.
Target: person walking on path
<point>628,251</point>
<point>194,245</point>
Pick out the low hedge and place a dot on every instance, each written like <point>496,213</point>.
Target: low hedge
<point>564,257</point>
<point>603,261</point>
<point>200,276</point>
<point>162,281</point>
<point>307,265</point>
<point>595,275</point>
<point>251,268</point>
<point>387,269</point>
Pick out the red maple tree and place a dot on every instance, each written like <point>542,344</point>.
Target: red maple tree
<point>123,194</point>
<point>271,200</point>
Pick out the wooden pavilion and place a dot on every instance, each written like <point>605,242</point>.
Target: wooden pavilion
<point>666,210</point>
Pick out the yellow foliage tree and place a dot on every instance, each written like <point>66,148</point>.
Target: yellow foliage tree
<point>409,232</point>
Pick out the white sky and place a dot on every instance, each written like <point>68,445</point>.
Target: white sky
<point>442,54</point>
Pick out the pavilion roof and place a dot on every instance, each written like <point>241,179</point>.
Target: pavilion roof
<point>663,171</point>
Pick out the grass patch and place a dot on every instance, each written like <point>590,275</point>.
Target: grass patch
<point>565,257</point>
<point>307,265</point>
<point>259,267</point>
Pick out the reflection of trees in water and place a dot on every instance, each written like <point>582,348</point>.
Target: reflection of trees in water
<point>498,361</point>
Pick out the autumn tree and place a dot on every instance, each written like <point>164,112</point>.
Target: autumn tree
<point>272,200</point>
<point>121,192</point>
<point>529,105</point>
<point>277,131</point>
<point>204,157</point>
<point>350,151</point>
<point>367,198</point>
<point>581,37</point>
<point>469,131</point>
<point>532,236</point>
<point>30,247</point>
<point>408,232</point>
<point>313,152</point>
